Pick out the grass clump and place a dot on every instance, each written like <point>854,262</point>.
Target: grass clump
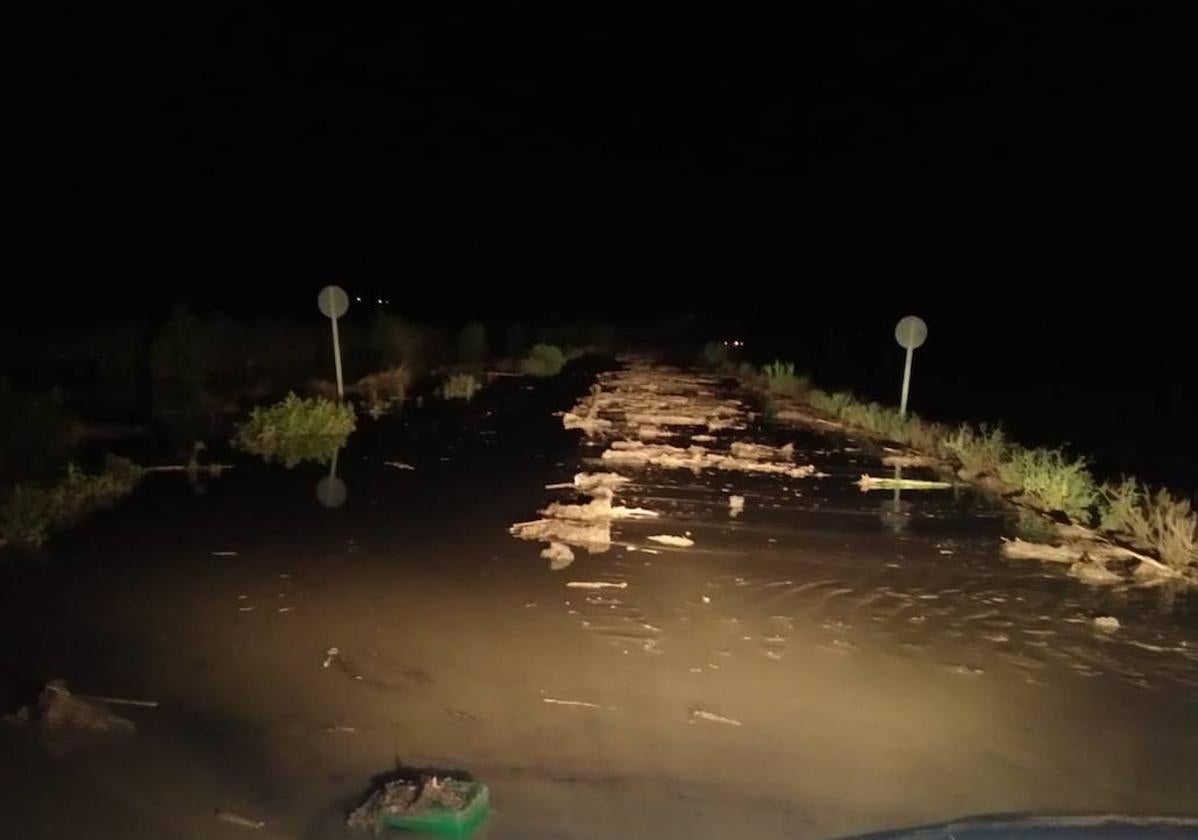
<point>459,386</point>
<point>1052,480</point>
<point>780,378</point>
<point>543,360</point>
<point>1034,526</point>
<point>1164,523</point>
<point>979,450</point>
<point>383,391</point>
<point>832,404</point>
<point>1122,505</point>
<point>30,512</point>
<point>295,430</point>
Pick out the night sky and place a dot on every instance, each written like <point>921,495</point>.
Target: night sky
<point>1023,176</point>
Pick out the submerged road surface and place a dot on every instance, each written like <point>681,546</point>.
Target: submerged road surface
<point>725,637</point>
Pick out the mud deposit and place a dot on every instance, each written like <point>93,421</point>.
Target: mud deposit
<point>807,661</point>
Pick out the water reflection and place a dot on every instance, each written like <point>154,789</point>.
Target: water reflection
<point>330,490</point>
<point>896,515</point>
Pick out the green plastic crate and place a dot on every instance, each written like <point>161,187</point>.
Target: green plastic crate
<point>445,822</point>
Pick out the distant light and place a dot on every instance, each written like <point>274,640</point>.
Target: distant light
<point>380,301</point>
<point>358,299</point>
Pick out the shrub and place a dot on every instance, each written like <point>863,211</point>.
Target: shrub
<point>459,386</point>
<point>780,378</point>
<point>1159,521</point>
<point>1122,505</point>
<point>923,435</point>
<point>1052,480</point>
<point>1170,526</point>
<point>296,430</point>
<point>384,390</point>
<point>31,512</point>
<point>543,360</point>
<point>472,343</point>
<point>1035,526</point>
<point>833,404</point>
<point>979,450</point>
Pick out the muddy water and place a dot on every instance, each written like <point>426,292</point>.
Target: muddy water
<point>821,663</point>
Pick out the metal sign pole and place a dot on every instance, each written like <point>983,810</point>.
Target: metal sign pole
<point>910,332</point>
<point>341,387</point>
<point>333,302</point>
<point>902,403</point>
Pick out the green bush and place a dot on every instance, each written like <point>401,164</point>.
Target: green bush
<point>30,512</point>
<point>1035,526</point>
<point>543,360</point>
<point>1171,527</point>
<point>979,450</point>
<point>922,435</point>
<point>780,378</point>
<point>383,391</point>
<point>1158,521</point>
<point>833,404</point>
<point>459,386</point>
<point>1052,480</point>
<point>296,430</point>
<point>472,343</point>
<point>1122,505</point>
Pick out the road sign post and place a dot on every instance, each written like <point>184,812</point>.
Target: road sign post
<point>333,302</point>
<point>911,332</point>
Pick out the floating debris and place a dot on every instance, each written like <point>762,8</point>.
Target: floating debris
<point>670,539</point>
<point>399,465</point>
<point>1088,570</point>
<point>429,804</point>
<point>235,819</point>
<point>902,461</point>
<point>559,555</point>
<point>330,655</point>
<point>224,553</point>
<point>595,537</point>
<point>1106,623</point>
<point>58,708</point>
<point>696,458</point>
<point>596,584</point>
<point>554,701</point>
<point>701,714</point>
<point>736,505</point>
<point>589,424</point>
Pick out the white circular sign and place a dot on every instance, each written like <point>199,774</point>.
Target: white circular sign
<point>911,332</point>
<point>332,301</point>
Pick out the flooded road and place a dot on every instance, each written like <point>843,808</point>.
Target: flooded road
<point>809,661</point>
